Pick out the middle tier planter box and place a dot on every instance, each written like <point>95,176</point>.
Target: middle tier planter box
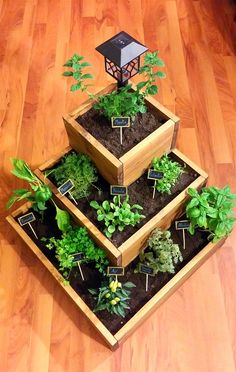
<point>92,134</point>
<point>159,212</point>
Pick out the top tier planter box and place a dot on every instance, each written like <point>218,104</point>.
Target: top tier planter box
<point>125,169</point>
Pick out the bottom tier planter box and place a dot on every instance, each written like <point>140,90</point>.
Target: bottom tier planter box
<point>157,215</point>
<point>113,329</point>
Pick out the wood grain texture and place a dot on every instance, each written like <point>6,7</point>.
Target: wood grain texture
<point>195,329</point>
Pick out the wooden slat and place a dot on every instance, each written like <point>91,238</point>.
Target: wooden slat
<point>139,158</point>
<point>107,336</point>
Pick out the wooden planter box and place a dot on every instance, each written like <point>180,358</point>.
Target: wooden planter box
<point>130,166</point>
<point>115,340</point>
<point>132,246</point>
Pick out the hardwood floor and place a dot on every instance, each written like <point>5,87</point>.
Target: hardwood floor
<point>41,330</point>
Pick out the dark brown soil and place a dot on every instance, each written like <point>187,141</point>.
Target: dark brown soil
<point>100,128</point>
<point>139,296</point>
<point>140,192</point>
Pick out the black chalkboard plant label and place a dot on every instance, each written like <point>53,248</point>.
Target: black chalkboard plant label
<point>77,257</point>
<point>120,122</point>
<point>144,269</point>
<point>115,270</point>
<point>26,220</point>
<point>119,191</point>
<point>66,188</point>
<point>154,175</point>
<point>182,225</point>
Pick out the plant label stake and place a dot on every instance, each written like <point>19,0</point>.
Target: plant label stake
<point>154,175</point>
<point>120,122</point>
<point>26,220</point>
<point>77,257</point>
<point>182,225</point>
<point>65,188</point>
<point>116,271</point>
<point>119,191</point>
<point>144,269</point>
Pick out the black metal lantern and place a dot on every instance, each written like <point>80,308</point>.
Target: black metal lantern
<point>122,56</point>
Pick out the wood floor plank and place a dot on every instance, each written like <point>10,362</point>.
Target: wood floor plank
<point>40,329</point>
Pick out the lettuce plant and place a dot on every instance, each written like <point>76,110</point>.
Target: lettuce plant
<point>116,215</point>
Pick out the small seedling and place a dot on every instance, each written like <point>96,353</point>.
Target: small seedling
<point>171,171</point>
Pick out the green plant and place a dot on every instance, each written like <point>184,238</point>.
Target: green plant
<point>76,240</point>
<point>211,209</point>
<point>117,215</point>
<point>39,195</point>
<point>113,297</point>
<point>80,170</point>
<point>163,254</point>
<point>171,170</point>
<point>126,102</point>
<point>77,73</point>
<point>123,102</point>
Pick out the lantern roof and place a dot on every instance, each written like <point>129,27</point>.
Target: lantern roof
<point>121,49</point>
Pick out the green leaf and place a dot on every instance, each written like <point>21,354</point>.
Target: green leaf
<point>129,285</point>
<point>68,64</point>
<point>160,74</point>
<point>11,201</point>
<point>67,73</point>
<point>192,192</point>
<point>63,219</point>
<point>141,84</point>
<point>85,64</point>
<point>111,229</point>
<point>94,204</point>
<point>75,87</point>
<point>87,76</point>
<point>152,89</point>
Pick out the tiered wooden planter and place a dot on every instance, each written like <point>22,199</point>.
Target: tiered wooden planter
<point>122,171</point>
<point>114,340</point>
<point>130,166</point>
<point>130,249</point>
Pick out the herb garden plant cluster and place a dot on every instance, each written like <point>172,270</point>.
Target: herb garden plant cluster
<point>120,223</point>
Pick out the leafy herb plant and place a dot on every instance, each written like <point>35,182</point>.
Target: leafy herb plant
<point>117,215</point>
<point>171,169</point>
<point>76,71</point>
<point>212,209</point>
<point>76,240</point>
<point>80,169</point>
<point>39,195</point>
<point>123,102</point>
<point>126,102</point>
<point>113,297</point>
<point>164,254</point>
